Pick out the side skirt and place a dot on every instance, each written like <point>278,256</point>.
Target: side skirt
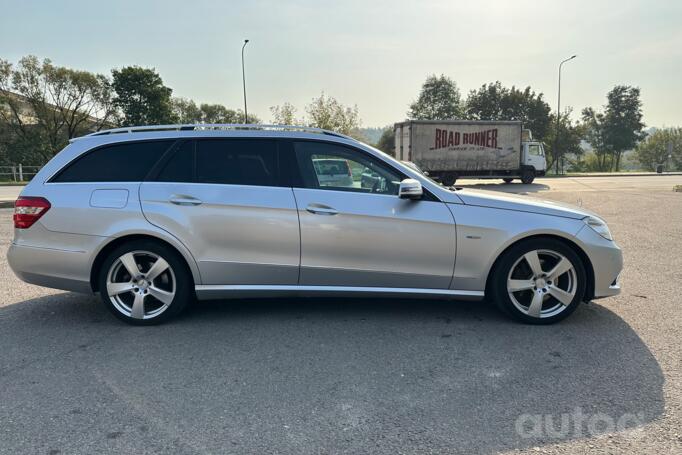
<point>208,292</point>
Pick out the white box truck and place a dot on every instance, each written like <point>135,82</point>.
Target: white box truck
<point>453,149</point>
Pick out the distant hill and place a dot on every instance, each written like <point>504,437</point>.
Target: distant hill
<point>372,135</point>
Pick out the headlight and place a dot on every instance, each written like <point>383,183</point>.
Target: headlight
<point>598,226</point>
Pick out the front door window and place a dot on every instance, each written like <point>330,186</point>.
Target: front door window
<point>333,167</point>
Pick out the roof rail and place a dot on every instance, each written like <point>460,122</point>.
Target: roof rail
<point>218,126</point>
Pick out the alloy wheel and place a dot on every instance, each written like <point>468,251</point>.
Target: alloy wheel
<point>141,284</point>
<point>542,283</point>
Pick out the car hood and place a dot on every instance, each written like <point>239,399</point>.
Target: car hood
<point>521,204</point>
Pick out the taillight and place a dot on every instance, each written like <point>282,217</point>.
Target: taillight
<point>28,210</point>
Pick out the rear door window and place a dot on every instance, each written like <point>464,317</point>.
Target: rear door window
<point>122,162</point>
<point>237,162</point>
<point>180,166</point>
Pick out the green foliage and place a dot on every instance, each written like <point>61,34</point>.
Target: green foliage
<point>595,135</point>
<point>285,115</point>
<point>387,142</point>
<point>617,129</point>
<point>495,102</point>
<point>42,106</point>
<point>439,99</point>
<point>327,113</point>
<point>187,111</point>
<point>588,162</point>
<point>568,141</point>
<point>654,149</point>
<point>623,117</point>
<point>141,97</point>
<point>323,112</point>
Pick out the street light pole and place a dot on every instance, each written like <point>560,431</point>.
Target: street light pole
<point>246,112</point>
<point>558,118</point>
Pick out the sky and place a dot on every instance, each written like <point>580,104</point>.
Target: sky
<point>373,54</point>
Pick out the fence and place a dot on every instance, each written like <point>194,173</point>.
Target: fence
<point>18,173</point>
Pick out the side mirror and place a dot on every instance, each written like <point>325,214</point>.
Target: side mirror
<point>410,189</point>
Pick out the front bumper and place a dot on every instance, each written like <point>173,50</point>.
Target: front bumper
<point>607,262</point>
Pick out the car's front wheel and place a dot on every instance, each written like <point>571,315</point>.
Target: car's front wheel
<point>539,281</point>
<point>144,282</point>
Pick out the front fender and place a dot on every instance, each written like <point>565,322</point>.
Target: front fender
<point>483,233</point>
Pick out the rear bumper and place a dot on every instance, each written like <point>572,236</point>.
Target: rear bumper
<point>52,268</point>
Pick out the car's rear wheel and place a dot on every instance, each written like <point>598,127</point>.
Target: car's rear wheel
<point>144,282</point>
<point>539,281</point>
<point>508,180</point>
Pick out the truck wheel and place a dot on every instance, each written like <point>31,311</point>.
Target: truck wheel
<point>448,179</point>
<point>508,180</point>
<point>527,177</point>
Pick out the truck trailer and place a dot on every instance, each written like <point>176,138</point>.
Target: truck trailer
<point>452,149</point>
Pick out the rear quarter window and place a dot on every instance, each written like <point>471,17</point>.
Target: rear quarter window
<point>122,162</point>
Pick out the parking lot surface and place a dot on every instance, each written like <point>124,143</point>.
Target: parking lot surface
<point>362,376</point>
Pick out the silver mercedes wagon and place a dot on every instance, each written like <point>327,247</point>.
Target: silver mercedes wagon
<point>153,217</point>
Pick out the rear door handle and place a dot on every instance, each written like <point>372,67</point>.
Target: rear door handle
<point>184,200</point>
<point>320,209</point>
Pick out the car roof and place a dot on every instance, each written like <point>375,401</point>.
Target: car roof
<point>141,133</point>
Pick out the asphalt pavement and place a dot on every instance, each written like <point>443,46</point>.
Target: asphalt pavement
<point>299,376</point>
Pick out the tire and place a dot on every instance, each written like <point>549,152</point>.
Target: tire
<point>549,298</point>
<point>508,180</point>
<point>163,295</point>
<point>527,176</point>
<point>449,179</point>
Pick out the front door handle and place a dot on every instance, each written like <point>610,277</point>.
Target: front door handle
<point>320,209</point>
<point>184,200</point>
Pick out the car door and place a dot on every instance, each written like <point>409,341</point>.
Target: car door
<point>223,198</point>
<point>360,233</point>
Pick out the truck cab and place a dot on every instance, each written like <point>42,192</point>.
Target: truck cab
<point>533,162</point>
<point>533,156</point>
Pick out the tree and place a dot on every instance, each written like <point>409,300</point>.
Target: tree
<point>654,149</point>
<point>623,120</point>
<point>496,102</point>
<point>217,113</point>
<point>42,106</point>
<point>141,97</point>
<point>595,135</point>
<point>439,99</point>
<point>570,136</point>
<point>617,129</point>
<point>387,142</point>
<point>285,115</point>
<point>323,112</point>
<point>327,113</point>
<point>187,111</point>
